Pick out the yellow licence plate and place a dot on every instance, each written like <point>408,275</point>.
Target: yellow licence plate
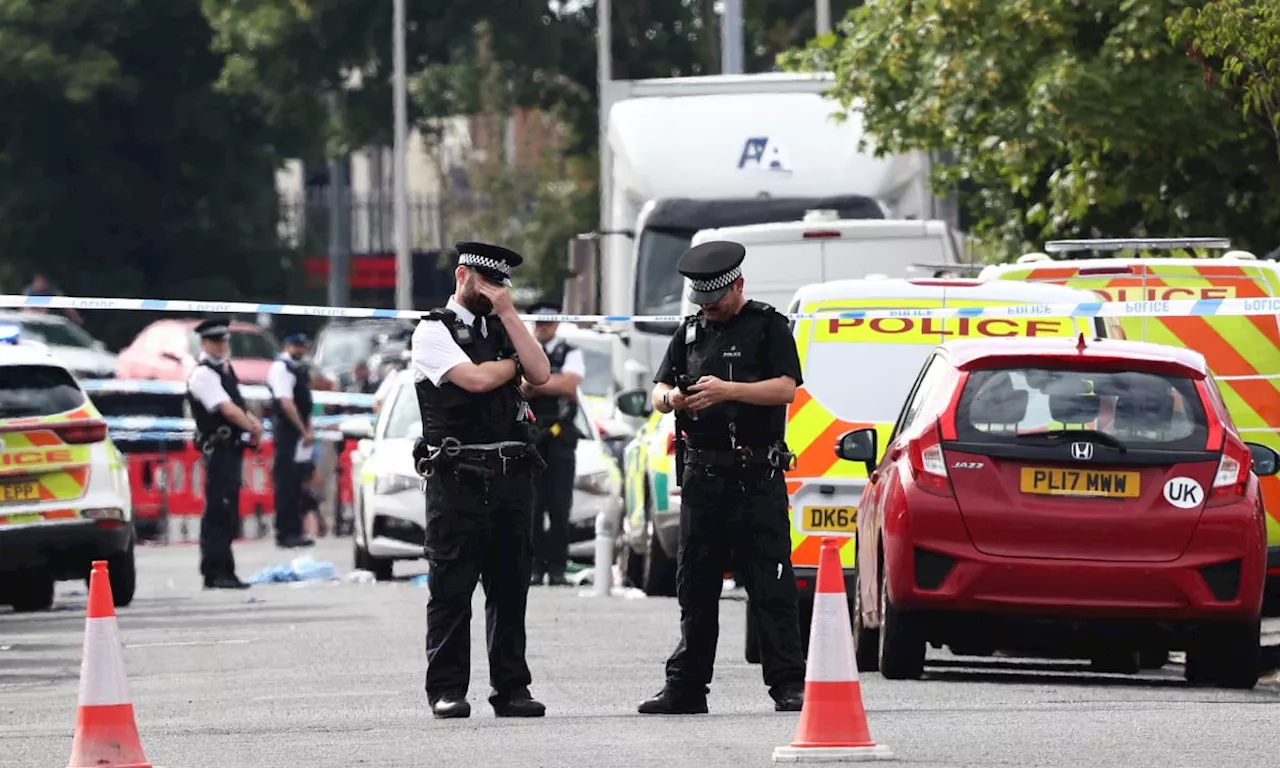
<point>1080,482</point>
<point>24,491</point>
<point>829,520</point>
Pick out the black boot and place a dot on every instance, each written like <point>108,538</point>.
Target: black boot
<point>517,704</point>
<point>789,699</point>
<point>673,702</point>
<point>450,706</point>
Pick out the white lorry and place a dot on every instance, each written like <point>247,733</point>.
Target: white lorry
<point>681,155</point>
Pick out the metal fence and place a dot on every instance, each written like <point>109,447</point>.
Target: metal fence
<point>369,218</point>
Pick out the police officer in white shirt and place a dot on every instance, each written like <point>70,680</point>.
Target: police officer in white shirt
<point>555,410</point>
<point>223,429</point>
<point>289,379</point>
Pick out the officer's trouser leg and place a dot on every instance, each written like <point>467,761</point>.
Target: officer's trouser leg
<point>762,556</point>
<point>701,563</point>
<point>221,513</point>
<point>507,567</point>
<point>286,479</point>
<point>458,525</point>
<point>556,497</point>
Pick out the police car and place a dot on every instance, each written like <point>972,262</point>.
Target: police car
<point>64,487</point>
<point>389,505</point>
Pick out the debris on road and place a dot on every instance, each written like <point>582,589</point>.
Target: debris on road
<point>303,568</point>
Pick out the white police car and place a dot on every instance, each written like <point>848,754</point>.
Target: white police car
<point>389,504</point>
<point>64,487</point>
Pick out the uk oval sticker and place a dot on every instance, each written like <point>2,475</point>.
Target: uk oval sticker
<point>1183,492</point>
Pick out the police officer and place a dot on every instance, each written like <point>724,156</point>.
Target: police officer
<point>555,406</point>
<point>477,457</point>
<point>223,429</point>
<point>729,373</point>
<point>289,379</point>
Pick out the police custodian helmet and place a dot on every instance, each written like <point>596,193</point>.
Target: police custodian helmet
<point>493,262</point>
<point>711,268</point>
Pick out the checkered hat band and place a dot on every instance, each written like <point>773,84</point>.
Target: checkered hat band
<point>473,260</point>
<point>718,282</point>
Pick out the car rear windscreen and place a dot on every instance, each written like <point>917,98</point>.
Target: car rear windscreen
<point>37,390</point>
<point>1143,410</point>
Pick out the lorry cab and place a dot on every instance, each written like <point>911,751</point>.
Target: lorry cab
<point>857,374</point>
<point>1242,352</point>
<point>822,247</point>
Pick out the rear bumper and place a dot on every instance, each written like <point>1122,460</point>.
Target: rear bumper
<point>65,548</point>
<point>1207,582</point>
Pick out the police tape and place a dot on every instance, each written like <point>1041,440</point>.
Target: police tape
<point>251,392</point>
<point>165,423</point>
<point>1155,308</point>
<point>179,434</point>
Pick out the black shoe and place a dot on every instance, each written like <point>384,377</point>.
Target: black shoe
<point>557,580</point>
<point>225,582</point>
<point>535,580</point>
<point>450,706</point>
<point>672,702</point>
<point>521,705</point>
<point>294,542</point>
<point>790,700</point>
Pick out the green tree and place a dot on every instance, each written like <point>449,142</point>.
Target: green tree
<point>1239,40</point>
<point>1063,119</point>
<point>122,171</point>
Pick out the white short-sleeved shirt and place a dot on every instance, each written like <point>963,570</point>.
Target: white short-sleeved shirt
<point>574,362</point>
<point>434,350</point>
<point>206,386</point>
<point>280,380</point>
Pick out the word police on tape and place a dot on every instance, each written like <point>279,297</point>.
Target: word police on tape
<point>1153,308</point>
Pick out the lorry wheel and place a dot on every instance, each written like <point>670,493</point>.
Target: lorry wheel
<point>753,640</point>
<point>32,591</point>
<point>902,639</point>
<point>123,574</point>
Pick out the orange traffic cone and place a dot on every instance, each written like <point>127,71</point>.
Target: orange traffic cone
<point>833,724</point>
<point>106,733</point>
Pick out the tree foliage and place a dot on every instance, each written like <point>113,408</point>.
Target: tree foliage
<point>1063,119</point>
<point>1239,40</point>
<point>122,171</point>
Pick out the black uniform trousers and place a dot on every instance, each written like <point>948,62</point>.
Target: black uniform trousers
<point>221,518</point>
<point>286,479</point>
<point>735,519</point>
<point>554,499</point>
<point>478,530</point>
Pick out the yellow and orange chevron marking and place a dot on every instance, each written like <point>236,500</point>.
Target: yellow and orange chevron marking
<point>61,470</point>
<point>1232,346</point>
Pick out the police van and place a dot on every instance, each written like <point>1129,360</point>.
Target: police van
<point>1243,352</point>
<point>857,373</point>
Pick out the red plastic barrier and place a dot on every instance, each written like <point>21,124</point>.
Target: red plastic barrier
<point>346,483</point>
<point>176,479</point>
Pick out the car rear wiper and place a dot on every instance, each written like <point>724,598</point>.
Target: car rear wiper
<point>1101,437</point>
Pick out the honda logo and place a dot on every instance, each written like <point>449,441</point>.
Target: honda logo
<point>1082,451</point>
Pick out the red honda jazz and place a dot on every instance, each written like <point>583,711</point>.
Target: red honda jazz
<point>1068,499</point>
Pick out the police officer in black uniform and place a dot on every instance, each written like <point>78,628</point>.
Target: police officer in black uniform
<point>729,373</point>
<point>555,407</point>
<point>224,428</point>
<point>478,460</point>
<point>289,380</point>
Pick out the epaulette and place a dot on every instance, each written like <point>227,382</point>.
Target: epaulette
<point>759,306</point>
<point>446,316</point>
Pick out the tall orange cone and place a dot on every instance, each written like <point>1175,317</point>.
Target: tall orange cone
<point>833,724</point>
<point>106,733</point>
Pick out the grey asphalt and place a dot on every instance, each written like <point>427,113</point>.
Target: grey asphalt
<point>320,675</point>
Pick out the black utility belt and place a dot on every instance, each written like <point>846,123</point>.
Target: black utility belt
<point>223,437</point>
<point>487,459</point>
<point>776,456</point>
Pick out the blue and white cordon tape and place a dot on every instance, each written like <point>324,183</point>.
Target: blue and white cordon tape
<point>157,436</point>
<point>167,423</point>
<point>251,392</point>
<point>1170,308</point>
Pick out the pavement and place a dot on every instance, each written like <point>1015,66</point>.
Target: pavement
<point>330,674</point>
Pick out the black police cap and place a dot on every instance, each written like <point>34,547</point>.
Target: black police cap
<point>213,329</point>
<point>492,261</point>
<point>711,268</point>
<point>544,308</point>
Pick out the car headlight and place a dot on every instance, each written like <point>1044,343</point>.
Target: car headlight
<point>387,484</point>
<point>600,483</point>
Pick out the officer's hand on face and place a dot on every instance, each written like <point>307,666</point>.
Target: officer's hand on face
<point>707,391</point>
<point>498,296</point>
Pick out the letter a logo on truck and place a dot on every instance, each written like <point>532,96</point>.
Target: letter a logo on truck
<point>760,154</point>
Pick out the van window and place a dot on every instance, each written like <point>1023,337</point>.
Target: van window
<point>863,382</point>
<point>37,390</point>
<point>1142,410</point>
<point>660,286</point>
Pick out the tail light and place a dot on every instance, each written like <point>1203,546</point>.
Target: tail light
<point>1233,474</point>
<point>928,468</point>
<point>671,444</point>
<point>82,432</point>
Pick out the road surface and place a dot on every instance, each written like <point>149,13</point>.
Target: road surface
<point>320,675</point>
